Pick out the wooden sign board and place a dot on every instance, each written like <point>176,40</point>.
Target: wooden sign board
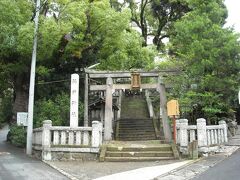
<point>135,81</point>
<point>173,108</point>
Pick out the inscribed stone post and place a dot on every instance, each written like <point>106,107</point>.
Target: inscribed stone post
<point>183,124</point>
<point>95,134</point>
<point>193,150</point>
<point>201,132</point>
<point>223,123</point>
<point>74,100</point>
<point>46,140</point>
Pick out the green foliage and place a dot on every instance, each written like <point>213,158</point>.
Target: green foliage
<point>17,135</point>
<point>208,54</point>
<point>5,108</point>
<point>56,109</point>
<point>13,14</point>
<point>154,18</point>
<point>72,34</point>
<point>127,54</point>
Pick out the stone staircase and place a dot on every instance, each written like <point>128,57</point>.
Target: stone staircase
<point>138,152</point>
<point>136,130</point>
<point>135,123</point>
<point>136,137</point>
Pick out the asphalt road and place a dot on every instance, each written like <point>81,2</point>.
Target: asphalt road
<point>229,169</point>
<point>15,165</point>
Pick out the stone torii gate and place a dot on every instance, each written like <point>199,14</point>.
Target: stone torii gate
<point>110,87</point>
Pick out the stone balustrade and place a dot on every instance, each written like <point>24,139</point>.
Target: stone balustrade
<point>208,137</point>
<point>49,139</point>
<point>37,136</point>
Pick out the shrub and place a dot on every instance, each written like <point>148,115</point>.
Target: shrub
<point>17,135</point>
<point>56,109</point>
<point>5,108</point>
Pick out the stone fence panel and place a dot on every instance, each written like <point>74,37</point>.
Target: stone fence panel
<point>208,137</point>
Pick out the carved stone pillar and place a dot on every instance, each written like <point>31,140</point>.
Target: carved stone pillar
<point>74,100</point>
<point>86,121</point>
<point>183,124</point>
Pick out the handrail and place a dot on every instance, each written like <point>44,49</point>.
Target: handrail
<point>151,113</point>
<point>149,105</point>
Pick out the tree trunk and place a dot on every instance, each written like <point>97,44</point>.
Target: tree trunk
<point>20,104</point>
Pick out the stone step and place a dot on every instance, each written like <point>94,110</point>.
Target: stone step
<point>135,130</point>
<point>127,151</point>
<point>139,154</point>
<point>136,124</point>
<point>135,119</point>
<point>126,138</point>
<point>140,148</point>
<point>135,138</point>
<point>136,134</point>
<point>132,159</point>
<point>148,124</point>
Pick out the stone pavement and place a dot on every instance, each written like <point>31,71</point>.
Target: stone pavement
<point>15,165</point>
<point>160,170</point>
<point>195,169</point>
<point>198,167</point>
<point>86,170</point>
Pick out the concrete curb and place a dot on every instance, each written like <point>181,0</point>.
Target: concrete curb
<point>61,171</point>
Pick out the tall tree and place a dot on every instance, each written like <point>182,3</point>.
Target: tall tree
<point>14,67</point>
<point>72,35</point>
<point>209,56</point>
<point>154,18</point>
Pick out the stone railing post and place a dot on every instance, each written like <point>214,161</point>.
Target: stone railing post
<point>201,132</point>
<point>46,140</point>
<point>224,124</point>
<point>183,124</point>
<point>96,133</point>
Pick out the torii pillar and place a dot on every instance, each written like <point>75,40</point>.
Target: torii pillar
<point>108,111</point>
<point>163,107</point>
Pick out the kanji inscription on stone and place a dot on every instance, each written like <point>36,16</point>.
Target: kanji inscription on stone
<point>74,100</point>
